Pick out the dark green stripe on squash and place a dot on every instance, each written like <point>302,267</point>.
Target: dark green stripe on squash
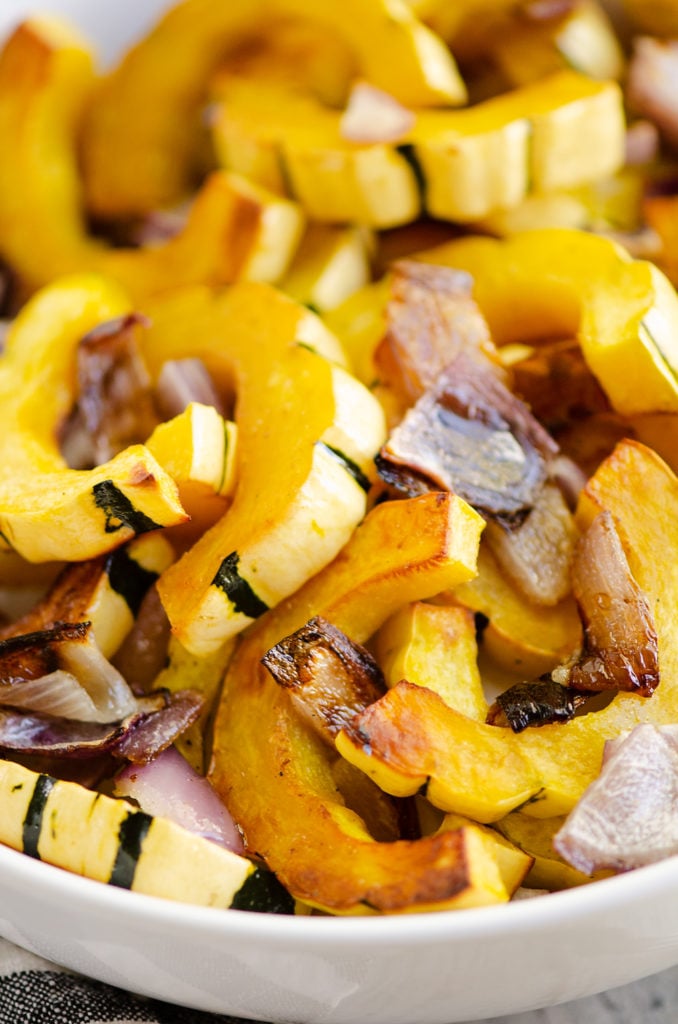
<point>262,893</point>
<point>32,824</point>
<point>349,465</point>
<point>131,834</point>
<point>129,579</point>
<point>119,510</point>
<point>237,589</point>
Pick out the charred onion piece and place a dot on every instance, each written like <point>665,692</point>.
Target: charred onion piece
<point>470,435</point>
<point>537,555</point>
<point>628,817</point>
<point>115,402</point>
<point>542,702</point>
<point>46,735</point>
<point>31,655</point>
<point>372,115</point>
<point>430,318</point>
<point>557,384</point>
<point>330,679</point>
<point>652,82</point>
<point>620,639</point>
<point>150,735</point>
<point>182,381</point>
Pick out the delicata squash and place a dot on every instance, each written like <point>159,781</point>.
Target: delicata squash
<point>400,740</point>
<point>307,433</point>
<point>294,816</point>
<point>233,229</point>
<point>390,47</point>
<point>48,511</point>
<point>565,130</point>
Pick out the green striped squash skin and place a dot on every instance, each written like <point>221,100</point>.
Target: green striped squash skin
<point>147,854</point>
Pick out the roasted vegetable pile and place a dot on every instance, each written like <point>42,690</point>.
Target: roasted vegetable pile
<point>339,431</point>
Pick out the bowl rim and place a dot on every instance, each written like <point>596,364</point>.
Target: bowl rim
<point>566,907</point>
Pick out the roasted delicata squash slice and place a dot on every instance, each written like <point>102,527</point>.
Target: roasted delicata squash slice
<point>302,468</point>
<point>121,845</point>
<point>48,511</point>
<point>514,862</point>
<point>555,283</point>
<point>161,137</point>
<point>330,264</point>
<point>564,131</point>
<point>294,816</point>
<point>106,591</point>
<point>561,759</point>
<point>434,646</point>
<point>232,230</point>
<point>287,138</point>
<point>520,636</point>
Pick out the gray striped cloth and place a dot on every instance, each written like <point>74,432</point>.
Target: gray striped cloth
<point>33,991</point>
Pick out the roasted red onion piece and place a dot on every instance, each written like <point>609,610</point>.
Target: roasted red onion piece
<point>470,435</point>
<point>373,115</point>
<point>159,226</point>
<point>168,787</point>
<point>182,381</point>
<point>557,384</point>
<point>115,403</point>
<point>569,478</point>
<point>44,735</point>
<point>329,678</point>
<point>537,555</point>
<point>149,736</point>
<point>542,702</point>
<point>652,84</point>
<point>628,817</point>
<point>431,317</point>
<point>143,652</point>
<point>620,639</point>
<point>44,670</point>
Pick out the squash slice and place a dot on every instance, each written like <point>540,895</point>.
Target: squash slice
<point>434,646</point>
<point>307,433</point>
<point>554,283</point>
<point>560,133</point>
<point>44,817</point>
<point>406,735</point>
<point>282,791</point>
<point>47,511</point>
<point>161,137</point>
<point>233,229</point>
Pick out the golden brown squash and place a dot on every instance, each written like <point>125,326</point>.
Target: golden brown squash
<point>48,511</point>
<point>282,791</point>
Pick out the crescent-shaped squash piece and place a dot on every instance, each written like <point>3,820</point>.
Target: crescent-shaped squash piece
<point>161,137</point>
<point>307,434</point>
<point>407,737</point>
<point>276,776</point>
<point>48,511</point>
<point>232,230</point>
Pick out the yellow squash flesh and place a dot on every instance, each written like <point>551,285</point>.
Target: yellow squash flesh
<point>559,133</point>
<point>233,229</point>
<point>161,137</point>
<point>409,735</point>
<point>282,791</point>
<point>48,511</point>
<point>307,431</point>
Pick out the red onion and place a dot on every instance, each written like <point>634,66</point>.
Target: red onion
<point>168,787</point>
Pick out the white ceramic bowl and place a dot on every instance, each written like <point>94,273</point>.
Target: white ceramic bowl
<point>419,969</point>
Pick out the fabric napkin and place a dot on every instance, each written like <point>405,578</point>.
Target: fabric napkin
<point>33,991</point>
